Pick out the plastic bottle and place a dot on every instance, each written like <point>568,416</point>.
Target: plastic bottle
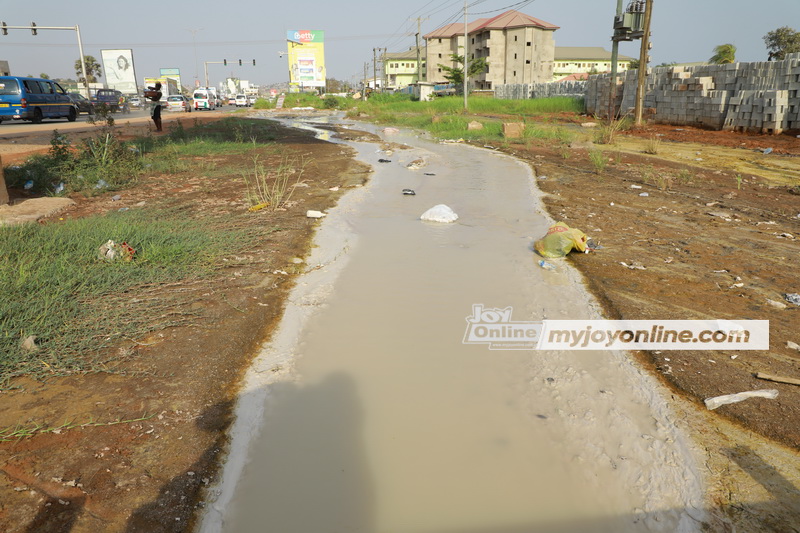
<point>545,265</point>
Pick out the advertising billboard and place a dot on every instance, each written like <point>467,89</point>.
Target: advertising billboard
<point>306,58</point>
<point>174,73</point>
<point>119,71</point>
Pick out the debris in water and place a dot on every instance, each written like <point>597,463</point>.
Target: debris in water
<point>384,160</point>
<point>409,192</point>
<point>439,213</point>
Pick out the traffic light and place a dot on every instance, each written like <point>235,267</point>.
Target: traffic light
<point>254,62</point>
<point>225,62</point>
<point>33,28</point>
<point>240,62</point>
<point>5,29</point>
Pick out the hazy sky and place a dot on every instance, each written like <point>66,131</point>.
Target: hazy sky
<point>186,34</point>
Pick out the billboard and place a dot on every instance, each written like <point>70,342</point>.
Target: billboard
<point>118,69</point>
<point>174,73</point>
<point>306,58</point>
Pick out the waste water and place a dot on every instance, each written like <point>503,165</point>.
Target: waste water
<point>367,413</point>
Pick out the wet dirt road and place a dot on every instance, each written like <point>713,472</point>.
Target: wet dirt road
<point>367,413</point>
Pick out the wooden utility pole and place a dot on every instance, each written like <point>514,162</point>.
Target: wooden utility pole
<point>374,70</point>
<point>642,73</point>
<point>612,98</point>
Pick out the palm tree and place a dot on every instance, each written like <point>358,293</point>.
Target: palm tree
<point>723,54</point>
<point>93,69</point>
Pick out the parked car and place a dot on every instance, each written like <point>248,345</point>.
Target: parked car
<point>178,102</point>
<point>232,99</point>
<point>34,99</point>
<point>83,104</point>
<point>203,99</point>
<point>114,99</point>
<point>252,99</point>
<point>241,100</point>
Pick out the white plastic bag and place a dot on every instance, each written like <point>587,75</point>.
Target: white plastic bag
<point>439,213</point>
<point>719,401</point>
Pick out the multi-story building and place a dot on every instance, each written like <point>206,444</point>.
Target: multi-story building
<point>578,62</point>
<point>517,48</point>
<point>401,68</point>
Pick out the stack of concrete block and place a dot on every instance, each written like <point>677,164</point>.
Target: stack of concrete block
<point>762,97</point>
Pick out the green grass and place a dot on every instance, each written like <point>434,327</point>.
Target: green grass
<point>445,117</point>
<point>56,287</point>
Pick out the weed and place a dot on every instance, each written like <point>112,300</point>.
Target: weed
<point>20,431</point>
<point>652,145</point>
<point>607,133</point>
<point>685,176</point>
<point>598,159</point>
<point>271,188</point>
<point>739,181</point>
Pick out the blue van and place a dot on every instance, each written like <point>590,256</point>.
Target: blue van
<point>34,99</point>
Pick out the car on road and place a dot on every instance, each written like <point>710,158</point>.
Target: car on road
<point>241,100</point>
<point>232,99</point>
<point>203,99</point>
<point>136,101</point>
<point>252,99</point>
<point>34,99</point>
<point>178,102</point>
<point>83,104</point>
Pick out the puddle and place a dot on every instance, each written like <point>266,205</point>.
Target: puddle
<point>368,414</point>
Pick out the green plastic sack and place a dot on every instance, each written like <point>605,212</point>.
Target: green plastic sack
<point>560,240</point>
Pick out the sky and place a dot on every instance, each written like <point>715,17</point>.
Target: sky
<point>185,35</point>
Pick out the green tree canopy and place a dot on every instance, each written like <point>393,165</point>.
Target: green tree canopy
<point>723,54</point>
<point>44,76</point>
<point>784,40</point>
<point>93,69</point>
<point>456,74</point>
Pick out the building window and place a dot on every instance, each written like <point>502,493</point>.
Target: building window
<point>529,43</point>
<point>440,41</point>
<point>515,38</point>
<point>515,56</point>
<point>515,73</point>
<point>439,70</point>
<point>527,61</point>
<point>440,56</point>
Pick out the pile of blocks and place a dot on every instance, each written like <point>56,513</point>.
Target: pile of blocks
<point>759,97</point>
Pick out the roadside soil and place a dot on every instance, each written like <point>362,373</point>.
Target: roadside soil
<point>710,245</point>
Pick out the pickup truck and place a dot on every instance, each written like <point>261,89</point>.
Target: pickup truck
<point>114,99</point>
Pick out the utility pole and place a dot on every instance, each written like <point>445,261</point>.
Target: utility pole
<point>643,56</point>
<point>465,76</point>
<point>194,44</point>
<point>364,92</point>
<point>419,52</point>
<point>383,70</point>
<point>374,70</point>
<point>614,56</point>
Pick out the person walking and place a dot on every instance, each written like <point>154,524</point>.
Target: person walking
<point>154,95</point>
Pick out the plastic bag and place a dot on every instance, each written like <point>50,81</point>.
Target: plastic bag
<point>718,401</point>
<point>560,240</point>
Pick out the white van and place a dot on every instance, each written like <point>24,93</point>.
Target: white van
<point>204,99</point>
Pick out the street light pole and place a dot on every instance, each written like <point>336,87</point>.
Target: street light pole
<point>194,44</point>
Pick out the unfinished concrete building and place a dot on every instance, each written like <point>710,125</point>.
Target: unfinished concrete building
<point>518,48</point>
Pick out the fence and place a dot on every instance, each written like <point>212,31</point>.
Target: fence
<point>522,91</point>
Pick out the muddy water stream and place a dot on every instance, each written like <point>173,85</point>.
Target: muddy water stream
<point>368,414</point>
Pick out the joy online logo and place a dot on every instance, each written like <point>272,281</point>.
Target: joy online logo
<point>494,327</point>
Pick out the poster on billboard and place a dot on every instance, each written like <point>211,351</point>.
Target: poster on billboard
<point>306,57</point>
<point>118,69</point>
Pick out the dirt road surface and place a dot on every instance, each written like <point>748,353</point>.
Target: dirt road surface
<point>716,237</point>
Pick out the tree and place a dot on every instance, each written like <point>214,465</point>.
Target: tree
<point>93,69</point>
<point>456,74</point>
<point>723,54</point>
<point>44,76</point>
<point>780,42</point>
